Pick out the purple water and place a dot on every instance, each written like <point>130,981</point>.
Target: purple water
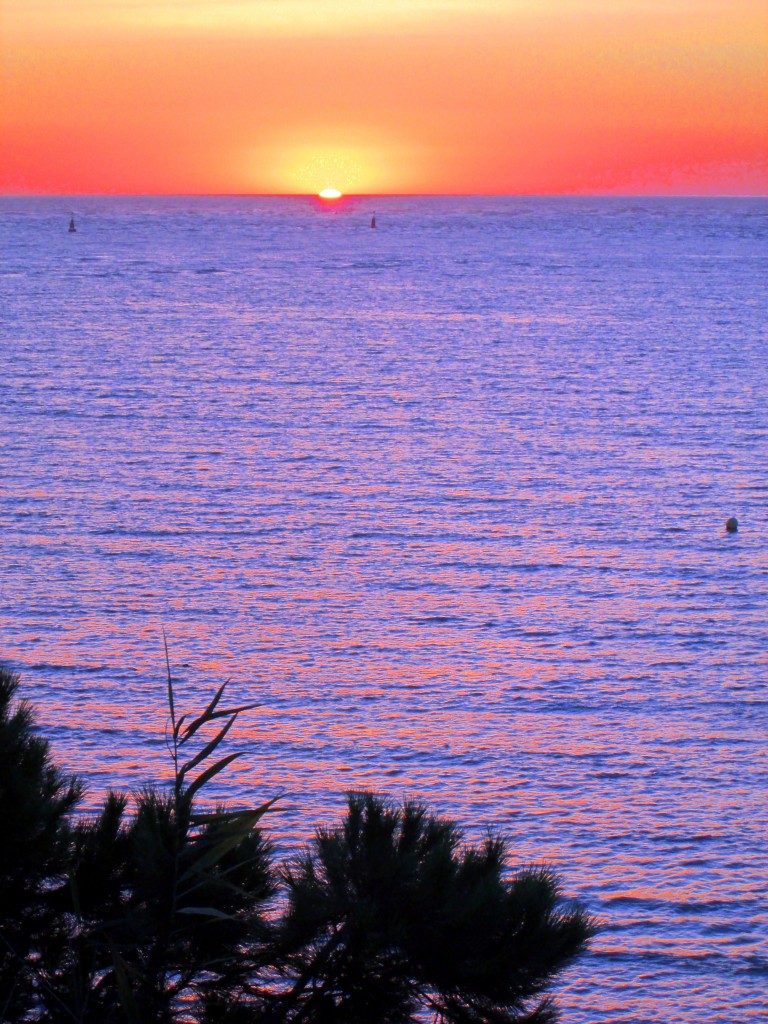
<point>448,498</point>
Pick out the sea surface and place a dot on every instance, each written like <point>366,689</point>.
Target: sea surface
<point>448,499</point>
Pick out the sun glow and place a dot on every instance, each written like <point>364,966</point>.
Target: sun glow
<point>329,193</point>
<point>552,96</point>
<point>312,167</point>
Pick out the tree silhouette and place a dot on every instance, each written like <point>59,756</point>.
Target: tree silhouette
<point>35,801</point>
<point>390,915</point>
<point>169,902</point>
<point>156,911</point>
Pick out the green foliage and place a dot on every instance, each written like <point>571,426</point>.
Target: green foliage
<point>156,911</point>
<point>149,917</point>
<point>35,801</point>
<point>191,888</point>
<point>390,916</point>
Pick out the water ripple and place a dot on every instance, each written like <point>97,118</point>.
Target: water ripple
<point>448,500</point>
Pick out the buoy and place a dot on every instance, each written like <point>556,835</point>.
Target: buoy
<point>732,525</point>
<point>72,225</point>
<point>373,221</point>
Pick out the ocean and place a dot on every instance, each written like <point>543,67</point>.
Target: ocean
<point>447,497</point>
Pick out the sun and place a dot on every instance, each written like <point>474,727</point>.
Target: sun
<point>330,193</point>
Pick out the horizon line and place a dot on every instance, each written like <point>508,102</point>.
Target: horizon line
<point>386,195</point>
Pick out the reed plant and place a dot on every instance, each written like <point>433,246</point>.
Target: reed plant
<point>162,909</point>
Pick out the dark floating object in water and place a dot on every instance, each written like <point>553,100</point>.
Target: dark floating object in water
<point>72,225</point>
<point>732,525</point>
<point>373,221</point>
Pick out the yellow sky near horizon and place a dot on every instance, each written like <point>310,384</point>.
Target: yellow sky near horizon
<point>374,96</point>
<point>323,17</point>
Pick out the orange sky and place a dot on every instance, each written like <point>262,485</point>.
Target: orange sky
<point>451,96</point>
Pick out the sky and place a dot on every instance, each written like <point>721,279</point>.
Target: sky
<point>384,96</point>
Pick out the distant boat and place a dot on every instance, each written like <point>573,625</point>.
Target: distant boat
<point>72,225</point>
<point>373,221</point>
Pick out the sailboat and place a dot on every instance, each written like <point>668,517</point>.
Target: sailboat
<point>72,225</point>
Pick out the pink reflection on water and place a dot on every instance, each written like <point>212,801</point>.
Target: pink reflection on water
<point>456,525</point>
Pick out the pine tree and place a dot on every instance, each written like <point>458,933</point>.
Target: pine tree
<point>36,800</point>
<point>155,912</point>
<point>391,916</point>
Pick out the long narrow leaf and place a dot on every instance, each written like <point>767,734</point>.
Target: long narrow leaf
<point>206,750</point>
<point>211,848</point>
<point>213,856</point>
<point>218,816</point>
<point>233,711</point>
<point>242,821</point>
<point>208,774</point>
<point>203,881</point>
<point>170,682</point>
<point>216,844</point>
<point>225,816</point>
<point>177,727</point>
<point>124,990</point>
<point>208,912</point>
<point>195,724</point>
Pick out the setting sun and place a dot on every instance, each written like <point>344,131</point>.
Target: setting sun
<point>330,193</point>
